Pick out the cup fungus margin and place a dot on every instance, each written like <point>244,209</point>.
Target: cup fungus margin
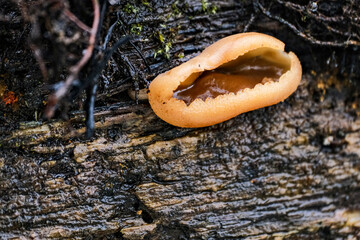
<point>223,107</point>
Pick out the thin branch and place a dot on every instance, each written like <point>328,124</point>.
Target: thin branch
<point>141,55</point>
<point>322,18</point>
<point>77,21</point>
<point>337,31</point>
<point>40,60</point>
<point>74,70</point>
<point>133,45</point>
<point>303,9</point>
<point>108,35</point>
<point>303,35</point>
<point>251,21</point>
<point>90,106</point>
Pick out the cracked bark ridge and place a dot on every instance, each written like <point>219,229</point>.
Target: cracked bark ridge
<point>284,171</point>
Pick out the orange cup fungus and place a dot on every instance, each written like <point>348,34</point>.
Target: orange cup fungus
<point>236,74</point>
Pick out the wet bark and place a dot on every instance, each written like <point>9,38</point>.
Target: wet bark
<point>290,171</point>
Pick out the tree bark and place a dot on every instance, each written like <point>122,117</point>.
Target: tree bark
<point>286,171</point>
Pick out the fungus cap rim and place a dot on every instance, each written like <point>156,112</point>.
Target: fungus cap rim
<point>214,110</point>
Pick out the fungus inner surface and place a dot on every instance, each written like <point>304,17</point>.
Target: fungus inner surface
<point>254,67</point>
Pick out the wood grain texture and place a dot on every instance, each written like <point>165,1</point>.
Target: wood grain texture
<point>272,172</point>
<point>289,171</point>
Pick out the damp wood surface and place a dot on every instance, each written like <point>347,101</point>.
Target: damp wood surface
<point>289,171</point>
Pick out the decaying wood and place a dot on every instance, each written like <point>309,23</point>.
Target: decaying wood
<point>287,171</point>
<point>279,171</point>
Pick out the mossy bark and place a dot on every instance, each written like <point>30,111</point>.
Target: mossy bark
<point>290,171</point>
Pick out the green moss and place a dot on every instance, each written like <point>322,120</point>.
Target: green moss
<point>181,55</point>
<point>145,2</point>
<point>130,9</point>
<point>136,28</point>
<point>168,46</point>
<point>208,8</point>
<point>165,46</point>
<point>212,9</point>
<point>161,37</point>
<point>204,5</point>
<point>175,9</point>
<point>158,52</point>
<point>165,35</point>
<point>164,50</point>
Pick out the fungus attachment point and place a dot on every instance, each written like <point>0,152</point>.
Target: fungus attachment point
<point>237,74</point>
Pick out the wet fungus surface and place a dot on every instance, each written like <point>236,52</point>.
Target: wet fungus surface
<point>237,74</point>
<point>258,66</point>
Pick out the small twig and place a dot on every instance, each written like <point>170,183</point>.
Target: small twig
<point>91,87</point>
<point>108,35</point>
<point>141,55</point>
<point>303,35</point>
<point>133,73</point>
<point>133,45</point>
<point>102,16</point>
<point>303,9</point>
<point>337,31</point>
<point>90,108</point>
<point>77,21</point>
<point>321,17</point>
<point>21,36</point>
<point>109,52</point>
<point>121,87</point>
<point>40,60</point>
<point>74,70</point>
<point>251,21</point>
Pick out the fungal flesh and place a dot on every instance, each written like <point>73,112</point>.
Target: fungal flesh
<point>236,74</point>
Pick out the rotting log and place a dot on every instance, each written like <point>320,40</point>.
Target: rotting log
<point>286,170</point>
<point>290,171</point>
